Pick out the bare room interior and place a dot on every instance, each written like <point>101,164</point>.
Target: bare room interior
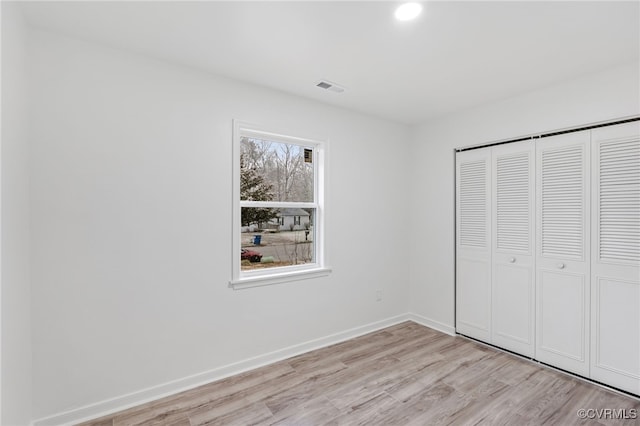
<point>320,213</point>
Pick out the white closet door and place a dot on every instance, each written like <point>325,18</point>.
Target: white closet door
<point>562,246</point>
<point>615,291</point>
<point>513,291</point>
<point>473,243</point>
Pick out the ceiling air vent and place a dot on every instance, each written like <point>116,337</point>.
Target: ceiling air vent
<point>327,85</point>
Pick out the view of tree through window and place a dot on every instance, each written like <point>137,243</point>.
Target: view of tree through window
<point>283,172</point>
<point>272,172</point>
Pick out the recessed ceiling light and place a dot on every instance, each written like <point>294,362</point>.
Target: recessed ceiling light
<point>408,11</point>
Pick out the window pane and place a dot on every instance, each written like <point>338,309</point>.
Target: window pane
<point>273,238</point>
<point>275,171</point>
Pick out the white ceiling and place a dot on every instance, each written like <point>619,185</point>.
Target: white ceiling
<point>456,55</point>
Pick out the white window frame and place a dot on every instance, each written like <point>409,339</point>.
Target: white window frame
<point>268,276</point>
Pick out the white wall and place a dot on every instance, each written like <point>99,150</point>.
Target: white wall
<point>598,97</point>
<point>131,214</point>
<point>15,288</point>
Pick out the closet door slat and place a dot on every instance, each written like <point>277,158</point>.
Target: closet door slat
<point>473,204</point>
<point>562,202</point>
<point>619,190</point>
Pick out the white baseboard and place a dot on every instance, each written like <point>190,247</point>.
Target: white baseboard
<point>436,325</point>
<point>142,396</point>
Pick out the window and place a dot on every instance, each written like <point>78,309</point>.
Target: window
<point>278,207</point>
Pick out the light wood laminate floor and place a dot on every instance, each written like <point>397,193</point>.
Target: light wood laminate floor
<point>406,374</point>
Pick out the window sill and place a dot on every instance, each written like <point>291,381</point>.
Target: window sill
<point>278,278</point>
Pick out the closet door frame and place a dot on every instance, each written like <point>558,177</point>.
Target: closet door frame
<point>473,247</point>
<point>562,278</point>
<point>615,281</point>
<point>513,265</point>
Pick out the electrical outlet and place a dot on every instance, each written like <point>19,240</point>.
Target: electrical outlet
<point>378,295</point>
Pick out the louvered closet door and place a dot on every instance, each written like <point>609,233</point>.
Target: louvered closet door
<point>562,247</point>
<point>512,294</point>
<point>473,243</point>
<point>615,291</point>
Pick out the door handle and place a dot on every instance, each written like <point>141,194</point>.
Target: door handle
<point>561,265</point>
<point>512,260</point>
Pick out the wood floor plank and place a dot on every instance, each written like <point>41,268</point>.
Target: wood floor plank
<point>224,393</point>
<point>253,413</point>
<point>406,374</point>
<point>317,411</point>
<point>366,411</point>
<point>105,422</point>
